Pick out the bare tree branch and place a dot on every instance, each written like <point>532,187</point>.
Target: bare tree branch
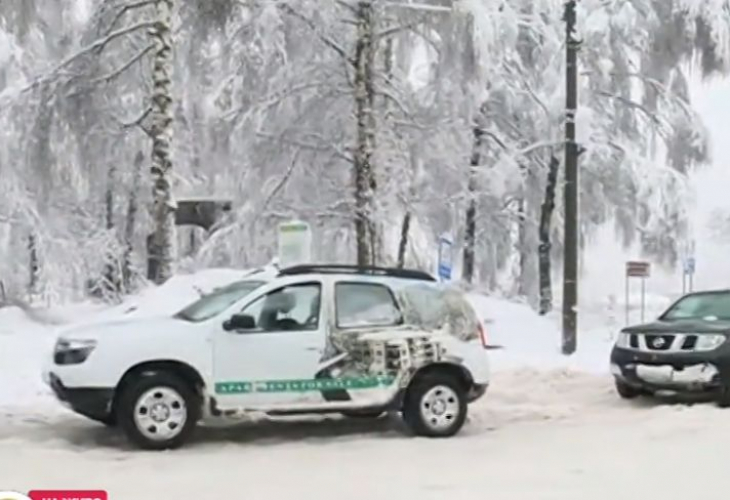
<point>328,41</point>
<point>282,182</point>
<point>114,74</point>
<point>397,29</point>
<point>635,105</point>
<point>346,5</point>
<point>539,145</point>
<point>308,145</point>
<point>138,122</point>
<point>127,8</point>
<point>494,137</point>
<point>271,100</point>
<point>97,45</point>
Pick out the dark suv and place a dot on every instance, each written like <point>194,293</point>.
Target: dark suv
<point>684,351</point>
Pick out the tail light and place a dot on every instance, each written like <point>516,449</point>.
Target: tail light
<point>482,334</point>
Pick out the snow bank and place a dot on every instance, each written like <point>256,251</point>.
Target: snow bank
<point>175,294</point>
<point>12,318</point>
<point>529,340</point>
<point>24,343</point>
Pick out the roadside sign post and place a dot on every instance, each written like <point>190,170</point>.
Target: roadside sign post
<point>445,257</point>
<point>688,270</point>
<point>641,270</point>
<point>295,243</point>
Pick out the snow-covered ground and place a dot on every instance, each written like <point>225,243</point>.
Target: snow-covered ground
<point>550,427</point>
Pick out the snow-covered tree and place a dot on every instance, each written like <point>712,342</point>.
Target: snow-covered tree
<point>460,130</point>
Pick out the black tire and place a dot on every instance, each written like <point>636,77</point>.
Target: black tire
<point>166,382</point>
<point>723,397</point>
<point>626,391</point>
<point>363,414</point>
<point>416,408</point>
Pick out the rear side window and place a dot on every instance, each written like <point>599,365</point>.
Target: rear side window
<point>434,307</point>
<point>365,305</point>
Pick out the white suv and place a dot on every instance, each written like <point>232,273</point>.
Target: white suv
<point>314,339</point>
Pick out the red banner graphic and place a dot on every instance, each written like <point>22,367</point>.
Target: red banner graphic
<point>68,495</point>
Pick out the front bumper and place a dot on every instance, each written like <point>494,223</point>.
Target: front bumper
<point>476,392</point>
<point>94,403</point>
<point>676,372</point>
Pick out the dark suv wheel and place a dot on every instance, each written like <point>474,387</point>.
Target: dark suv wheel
<point>626,391</point>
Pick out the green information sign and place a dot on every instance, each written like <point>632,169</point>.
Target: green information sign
<point>303,385</point>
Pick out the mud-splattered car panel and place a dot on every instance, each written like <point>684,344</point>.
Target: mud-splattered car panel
<point>431,321</point>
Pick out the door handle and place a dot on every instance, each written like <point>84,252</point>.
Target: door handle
<point>313,349</point>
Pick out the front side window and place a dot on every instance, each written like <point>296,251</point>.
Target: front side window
<point>291,308</point>
<point>715,305</point>
<point>218,301</point>
<point>365,305</point>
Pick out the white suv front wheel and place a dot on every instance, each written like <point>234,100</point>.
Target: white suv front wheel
<point>158,411</point>
<point>435,406</point>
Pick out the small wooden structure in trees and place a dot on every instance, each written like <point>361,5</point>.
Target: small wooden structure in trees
<point>203,213</point>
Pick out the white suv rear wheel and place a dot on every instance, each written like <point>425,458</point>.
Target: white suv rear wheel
<point>439,408</point>
<point>435,405</point>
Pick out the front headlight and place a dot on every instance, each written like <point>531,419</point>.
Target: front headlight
<point>72,351</point>
<point>622,340</point>
<point>708,342</point>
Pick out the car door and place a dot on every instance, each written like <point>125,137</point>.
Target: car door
<point>269,363</point>
<point>361,366</point>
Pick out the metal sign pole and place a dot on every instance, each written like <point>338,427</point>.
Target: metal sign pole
<point>626,300</point>
<point>643,298</point>
<point>642,270</point>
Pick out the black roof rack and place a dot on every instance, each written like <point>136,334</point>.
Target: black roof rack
<point>412,274</point>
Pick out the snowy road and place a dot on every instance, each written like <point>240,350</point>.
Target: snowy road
<point>539,435</point>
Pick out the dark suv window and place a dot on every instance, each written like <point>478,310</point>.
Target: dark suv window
<point>703,305</point>
<point>365,305</point>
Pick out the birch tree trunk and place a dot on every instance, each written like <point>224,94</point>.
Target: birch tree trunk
<point>528,242</point>
<point>109,196</point>
<point>34,265</point>
<point>111,282</point>
<point>365,186</point>
<point>388,67</point>
<point>129,228</point>
<point>545,245</point>
<point>570,192</point>
<point>403,244</point>
<point>163,236</point>
<point>470,230</point>
<point>408,215</point>
<point>522,288</point>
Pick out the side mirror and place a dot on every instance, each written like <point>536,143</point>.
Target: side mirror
<point>239,322</point>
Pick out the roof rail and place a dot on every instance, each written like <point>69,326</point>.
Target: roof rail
<point>412,274</point>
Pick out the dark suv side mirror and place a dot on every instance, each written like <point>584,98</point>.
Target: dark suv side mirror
<point>239,322</point>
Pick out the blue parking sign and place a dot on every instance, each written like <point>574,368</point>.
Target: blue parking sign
<point>445,257</point>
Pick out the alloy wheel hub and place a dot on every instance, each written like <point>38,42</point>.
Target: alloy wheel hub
<point>160,412</point>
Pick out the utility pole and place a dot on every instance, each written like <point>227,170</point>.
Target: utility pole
<point>570,264</point>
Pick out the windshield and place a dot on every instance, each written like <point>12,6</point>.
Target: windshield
<point>715,305</point>
<point>218,301</point>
